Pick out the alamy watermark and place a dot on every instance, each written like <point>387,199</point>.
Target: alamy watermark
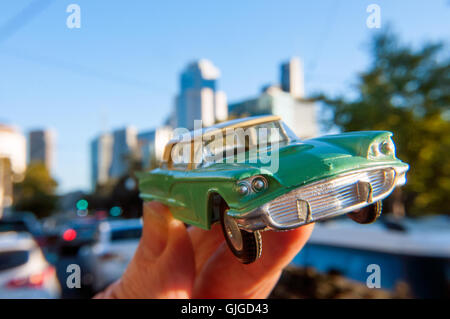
<point>74,278</point>
<point>73,21</point>
<point>374,279</point>
<point>374,19</point>
<point>257,143</point>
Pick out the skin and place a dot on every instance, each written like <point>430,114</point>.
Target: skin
<point>173,261</point>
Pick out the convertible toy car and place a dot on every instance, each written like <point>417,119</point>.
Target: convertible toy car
<point>222,174</point>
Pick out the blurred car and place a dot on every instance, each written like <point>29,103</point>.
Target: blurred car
<point>108,258</point>
<point>27,222</point>
<point>23,222</point>
<point>24,272</point>
<point>76,234</point>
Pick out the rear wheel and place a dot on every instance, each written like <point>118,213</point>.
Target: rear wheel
<point>366,215</point>
<point>246,246</point>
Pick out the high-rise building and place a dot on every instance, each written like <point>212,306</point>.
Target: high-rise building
<point>286,100</point>
<point>221,108</point>
<point>152,144</point>
<point>291,76</point>
<point>101,159</point>
<point>113,153</point>
<point>13,159</point>
<point>199,98</point>
<point>6,184</point>
<point>13,146</point>
<point>124,150</point>
<point>41,147</point>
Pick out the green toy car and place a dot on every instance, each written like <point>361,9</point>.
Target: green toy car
<point>254,174</point>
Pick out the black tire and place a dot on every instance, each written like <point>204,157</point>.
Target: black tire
<point>250,246</point>
<point>368,214</point>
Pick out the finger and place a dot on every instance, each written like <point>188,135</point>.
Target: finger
<point>223,276</point>
<point>205,243</point>
<point>163,265</point>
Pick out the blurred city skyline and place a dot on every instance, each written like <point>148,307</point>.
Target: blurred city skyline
<point>122,66</point>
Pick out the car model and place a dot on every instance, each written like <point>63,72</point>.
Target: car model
<point>222,174</point>
<point>24,272</point>
<point>108,257</point>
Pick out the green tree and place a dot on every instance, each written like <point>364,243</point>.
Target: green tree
<point>406,91</point>
<point>36,193</point>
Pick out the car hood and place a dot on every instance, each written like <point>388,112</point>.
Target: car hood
<point>301,162</point>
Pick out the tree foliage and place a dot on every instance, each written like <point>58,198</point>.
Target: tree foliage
<point>406,91</point>
<point>36,193</point>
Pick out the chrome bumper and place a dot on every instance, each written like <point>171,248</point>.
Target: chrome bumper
<point>324,199</point>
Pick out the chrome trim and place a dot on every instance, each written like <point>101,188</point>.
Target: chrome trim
<point>325,199</point>
<point>257,179</point>
<point>249,183</point>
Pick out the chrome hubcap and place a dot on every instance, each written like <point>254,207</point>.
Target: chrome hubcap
<point>233,232</point>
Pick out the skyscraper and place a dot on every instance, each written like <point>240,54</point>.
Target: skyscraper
<point>292,80</point>
<point>13,146</point>
<point>101,159</point>
<point>199,98</point>
<point>124,149</point>
<point>286,100</point>
<point>152,144</point>
<point>13,157</point>
<point>41,147</point>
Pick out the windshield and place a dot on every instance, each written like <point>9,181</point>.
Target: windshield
<point>237,141</point>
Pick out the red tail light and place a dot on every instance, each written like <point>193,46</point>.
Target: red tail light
<point>69,235</point>
<point>33,281</point>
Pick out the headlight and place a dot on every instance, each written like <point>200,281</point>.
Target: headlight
<point>255,184</point>
<point>386,148</point>
<point>259,184</point>
<point>243,188</point>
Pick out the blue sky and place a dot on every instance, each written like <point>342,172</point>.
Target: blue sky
<point>121,67</point>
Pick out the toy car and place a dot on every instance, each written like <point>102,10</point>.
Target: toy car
<point>221,174</point>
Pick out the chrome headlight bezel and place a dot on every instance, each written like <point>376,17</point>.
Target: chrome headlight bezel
<point>382,148</point>
<point>243,188</point>
<point>259,184</point>
<point>253,185</point>
<point>387,147</point>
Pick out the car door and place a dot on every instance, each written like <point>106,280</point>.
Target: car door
<point>177,181</point>
<point>190,187</point>
<point>201,182</point>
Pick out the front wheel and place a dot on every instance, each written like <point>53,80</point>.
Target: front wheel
<point>366,215</point>
<point>246,246</point>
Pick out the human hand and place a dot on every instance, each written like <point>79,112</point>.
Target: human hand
<point>173,261</point>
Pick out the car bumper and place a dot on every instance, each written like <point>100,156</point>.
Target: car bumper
<point>325,199</point>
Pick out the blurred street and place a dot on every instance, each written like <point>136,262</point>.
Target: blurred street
<point>412,253</point>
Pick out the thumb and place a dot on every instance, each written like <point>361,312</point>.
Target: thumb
<point>163,265</point>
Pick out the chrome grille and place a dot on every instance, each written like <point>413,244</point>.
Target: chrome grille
<point>333,196</point>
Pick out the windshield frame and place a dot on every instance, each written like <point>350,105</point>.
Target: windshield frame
<point>284,137</point>
<point>192,145</point>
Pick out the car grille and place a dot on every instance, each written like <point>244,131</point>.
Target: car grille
<point>331,197</point>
